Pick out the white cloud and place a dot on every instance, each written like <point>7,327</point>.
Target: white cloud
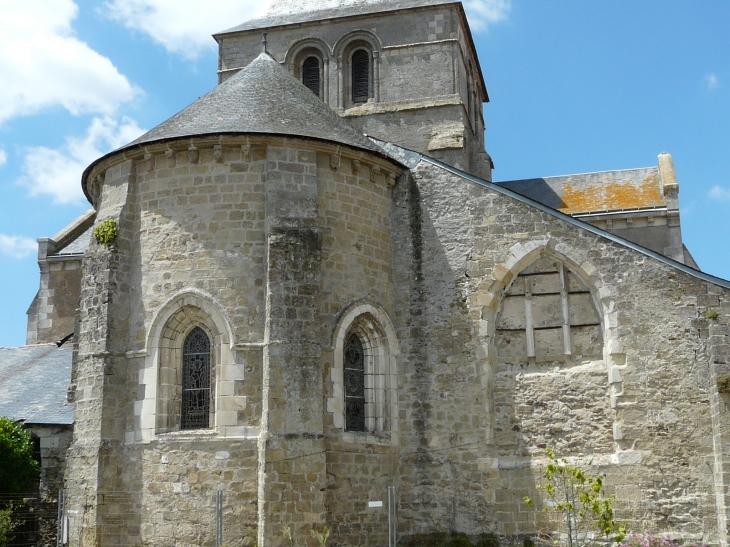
<point>42,64</point>
<point>3,157</point>
<point>711,81</point>
<point>58,172</point>
<point>720,194</point>
<point>16,246</point>
<point>184,26</point>
<point>482,13</point>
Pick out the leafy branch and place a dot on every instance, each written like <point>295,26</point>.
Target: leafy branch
<point>578,501</point>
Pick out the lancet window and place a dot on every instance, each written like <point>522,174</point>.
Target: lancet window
<point>311,71</point>
<point>354,373</point>
<point>195,409</point>
<point>360,76</point>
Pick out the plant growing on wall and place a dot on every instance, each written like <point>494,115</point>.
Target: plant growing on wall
<point>710,314</point>
<point>7,525</point>
<point>723,384</point>
<point>106,232</point>
<point>322,536</point>
<point>578,502</point>
<point>19,471</point>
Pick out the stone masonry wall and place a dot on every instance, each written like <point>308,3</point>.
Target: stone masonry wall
<point>272,239</point>
<point>465,246</point>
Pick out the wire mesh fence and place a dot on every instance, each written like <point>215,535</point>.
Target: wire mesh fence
<point>30,519</point>
<point>165,517</point>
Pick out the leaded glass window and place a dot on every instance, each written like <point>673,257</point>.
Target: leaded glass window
<point>354,369</point>
<point>360,76</point>
<point>195,412</point>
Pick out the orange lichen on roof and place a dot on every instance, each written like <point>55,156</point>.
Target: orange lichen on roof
<point>610,196</point>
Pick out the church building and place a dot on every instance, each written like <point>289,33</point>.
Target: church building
<point>314,304</point>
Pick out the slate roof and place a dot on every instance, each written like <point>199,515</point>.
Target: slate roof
<point>414,158</point>
<point>593,192</point>
<point>288,12</point>
<point>77,245</point>
<point>261,98</point>
<point>33,383</point>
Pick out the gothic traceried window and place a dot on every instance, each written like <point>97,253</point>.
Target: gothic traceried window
<point>354,380</point>
<point>360,76</point>
<point>195,411</point>
<point>311,74</point>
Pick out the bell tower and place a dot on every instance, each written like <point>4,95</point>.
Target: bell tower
<point>402,71</point>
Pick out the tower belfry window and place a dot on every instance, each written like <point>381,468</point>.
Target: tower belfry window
<point>360,76</point>
<point>311,74</point>
<point>195,411</point>
<point>354,376</point>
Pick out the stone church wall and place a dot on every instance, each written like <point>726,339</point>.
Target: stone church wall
<point>636,413</point>
<point>251,240</point>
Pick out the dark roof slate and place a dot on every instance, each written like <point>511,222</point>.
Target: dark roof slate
<point>260,98</point>
<point>33,383</point>
<point>77,245</point>
<point>286,12</point>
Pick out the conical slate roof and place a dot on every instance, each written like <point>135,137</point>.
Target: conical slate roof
<point>260,98</point>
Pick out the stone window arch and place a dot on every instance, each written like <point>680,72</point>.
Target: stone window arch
<point>187,378</point>
<point>308,61</point>
<point>161,379</point>
<point>358,68</point>
<point>365,350</point>
<point>548,313</point>
<point>547,350</point>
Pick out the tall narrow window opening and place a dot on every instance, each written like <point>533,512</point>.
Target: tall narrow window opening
<point>311,74</point>
<point>354,369</point>
<point>360,76</point>
<point>195,411</point>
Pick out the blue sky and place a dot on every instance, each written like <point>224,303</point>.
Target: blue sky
<point>575,86</point>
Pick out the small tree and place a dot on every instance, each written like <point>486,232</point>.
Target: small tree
<point>579,503</point>
<point>18,471</point>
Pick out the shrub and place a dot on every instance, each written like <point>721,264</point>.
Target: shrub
<point>6,526</point>
<point>487,540</point>
<point>576,500</point>
<point>723,384</point>
<point>649,539</point>
<point>19,471</point>
<point>106,232</point>
<point>454,539</point>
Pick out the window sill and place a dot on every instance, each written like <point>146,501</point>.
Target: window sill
<point>368,437</point>
<point>187,435</point>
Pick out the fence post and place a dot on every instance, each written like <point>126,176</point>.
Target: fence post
<point>219,519</point>
<point>392,518</point>
<point>61,527</point>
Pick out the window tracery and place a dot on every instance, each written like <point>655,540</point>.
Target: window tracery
<point>354,373</point>
<point>195,410</point>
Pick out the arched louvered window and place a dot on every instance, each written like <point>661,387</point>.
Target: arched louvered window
<point>360,76</point>
<point>354,380</point>
<point>311,74</point>
<point>195,411</point>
